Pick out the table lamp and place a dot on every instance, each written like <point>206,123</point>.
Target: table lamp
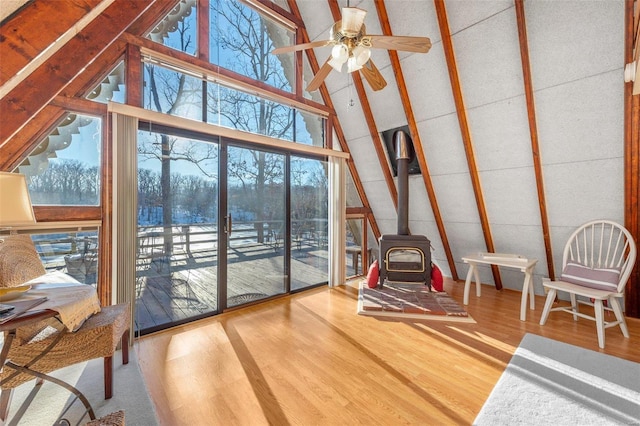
<point>15,203</point>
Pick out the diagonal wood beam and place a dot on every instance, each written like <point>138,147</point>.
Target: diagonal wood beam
<point>342,140</point>
<point>371,124</point>
<point>415,136</point>
<point>445,34</point>
<point>47,81</point>
<point>22,38</point>
<point>632,160</point>
<point>533,131</point>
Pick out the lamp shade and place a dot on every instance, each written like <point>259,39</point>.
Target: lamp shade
<point>15,203</point>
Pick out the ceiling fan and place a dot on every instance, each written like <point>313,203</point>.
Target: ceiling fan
<point>352,44</point>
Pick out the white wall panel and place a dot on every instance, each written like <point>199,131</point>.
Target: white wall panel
<point>455,198</point>
<point>582,120</point>
<point>510,197</point>
<point>366,160</point>
<point>442,145</point>
<point>569,40</point>
<point>464,13</point>
<point>380,200</point>
<point>583,191</point>
<point>488,60</point>
<point>501,137</point>
<point>428,84</point>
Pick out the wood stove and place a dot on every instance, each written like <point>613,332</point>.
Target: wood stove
<point>404,258</point>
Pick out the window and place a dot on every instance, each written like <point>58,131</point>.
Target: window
<point>242,40</point>
<point>178,29</point>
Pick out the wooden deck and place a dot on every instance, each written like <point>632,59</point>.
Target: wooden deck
<point>185,286</point>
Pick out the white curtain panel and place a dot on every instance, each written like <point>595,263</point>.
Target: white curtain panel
<point>125,201</point>
<point>337,219</point>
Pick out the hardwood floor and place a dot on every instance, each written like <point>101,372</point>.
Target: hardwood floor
<point>310,359</point>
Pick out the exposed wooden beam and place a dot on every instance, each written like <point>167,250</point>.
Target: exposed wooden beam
<point>13,152</point>
<point>368,116</point>
<point>342,140</point>
<point>631,166</point>
<point>46,82</point>
<point>35,29</point>
<point>415,136</point>
<point>533,132</point>
<point>149,20</point>
<point>452,66</point>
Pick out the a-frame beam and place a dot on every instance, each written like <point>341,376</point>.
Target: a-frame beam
<point>415,136</point>
<point>48,80</point>
<point>533,131</point>
<point>632,163</point>
<point>445,33</point>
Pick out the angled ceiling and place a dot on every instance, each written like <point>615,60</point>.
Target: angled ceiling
<point>518,112</point>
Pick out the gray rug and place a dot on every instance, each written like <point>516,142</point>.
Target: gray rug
<point>48,401</point>
<point>554,383</point>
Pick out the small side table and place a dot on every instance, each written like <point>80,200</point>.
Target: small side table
<point>509,261</point>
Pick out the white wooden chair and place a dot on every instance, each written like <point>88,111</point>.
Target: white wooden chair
<point>597,261</point>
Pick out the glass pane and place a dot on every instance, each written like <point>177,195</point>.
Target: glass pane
<point>309,129</point>
<point>112,88</point>
<point>64,169</point>
<point>177,230</point>
<point>74,253</point>
<point>178,29</point>
<point>250,113</point>
<point>255,250</point>
<point>172,92</point>
<point>309,223</point>
<point>242,40</point>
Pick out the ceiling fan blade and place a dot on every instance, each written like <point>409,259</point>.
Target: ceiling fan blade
<point>302,46</point>
<point>322,73</point>
<point>352,20</point>
<point>404,43</point>
<point>373,76</point>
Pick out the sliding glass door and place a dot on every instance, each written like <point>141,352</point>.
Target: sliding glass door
<point>177,262</point>
<point>255,225</point>
<point>221,224</point>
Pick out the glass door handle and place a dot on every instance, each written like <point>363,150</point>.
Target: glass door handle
<point>228,224</point>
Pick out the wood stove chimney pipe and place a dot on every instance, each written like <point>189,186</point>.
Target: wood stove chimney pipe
<point>403,157</point>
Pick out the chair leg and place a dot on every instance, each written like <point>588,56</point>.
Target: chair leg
<point>551,297</point>
<point>5,402</point>
<point>108,377</point>
<point>125,347</point>
<point>615,305</point>
<point>599,311</point>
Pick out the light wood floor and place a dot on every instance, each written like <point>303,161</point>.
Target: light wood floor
<point>310,359</point>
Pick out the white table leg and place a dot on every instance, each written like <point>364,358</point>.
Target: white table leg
<point>467,284</point>
<point>476,275</point>
<point>527,290</point>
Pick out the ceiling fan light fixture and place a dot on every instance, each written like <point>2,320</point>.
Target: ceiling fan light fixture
<point>361,54</point>
<point>353,65</point>
<point>336,64</point>
<point>340,53</point>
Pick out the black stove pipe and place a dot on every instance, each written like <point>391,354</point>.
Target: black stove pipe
<point>403,157</point>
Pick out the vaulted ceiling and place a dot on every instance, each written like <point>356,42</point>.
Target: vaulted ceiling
<point>521,120</point>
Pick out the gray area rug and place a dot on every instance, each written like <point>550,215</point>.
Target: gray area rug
<point>549,382</point>
<point>48,401</point>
